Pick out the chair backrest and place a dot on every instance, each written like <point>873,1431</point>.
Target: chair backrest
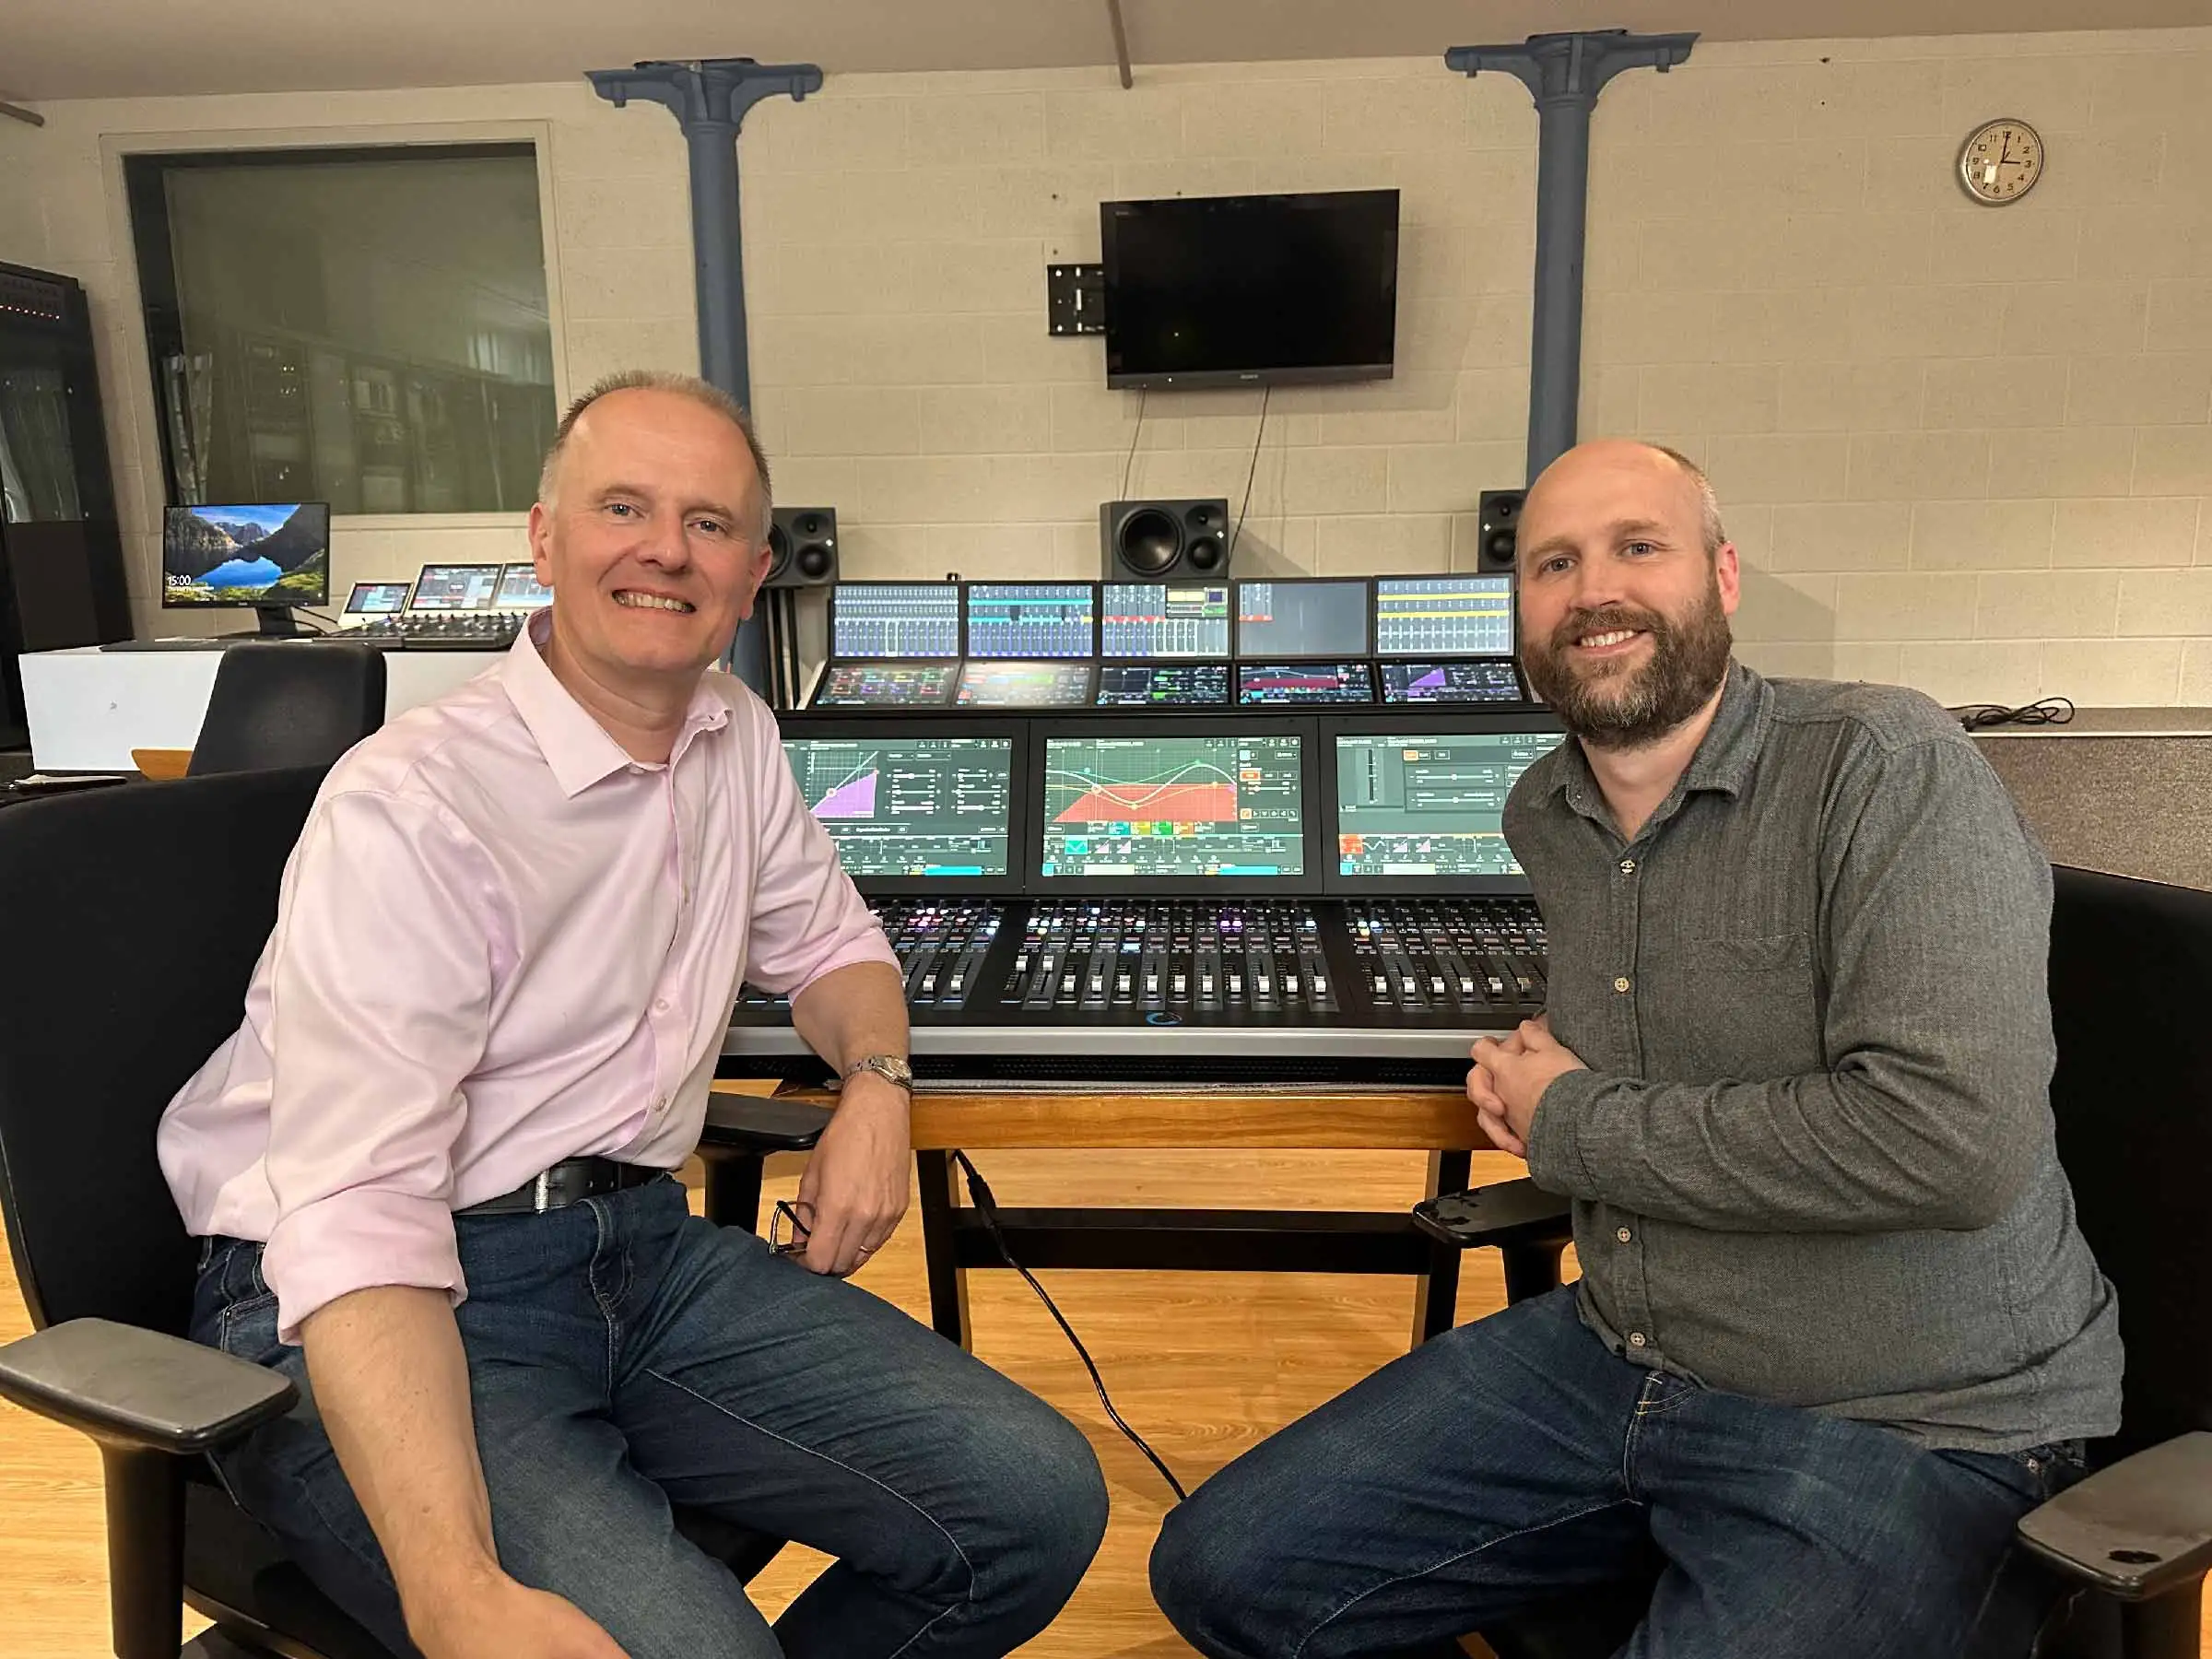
<point>132,919</point>
<point>277,705</point>
<point>2131,999</point>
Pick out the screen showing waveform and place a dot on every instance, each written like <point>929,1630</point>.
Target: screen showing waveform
<point>1204,806</point>
<point>909,806</point>
<point>1347,682</point>
<point>1489,679</point>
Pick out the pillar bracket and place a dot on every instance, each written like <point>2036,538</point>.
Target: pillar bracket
<point>709,98</point>
<point>1564,74</point>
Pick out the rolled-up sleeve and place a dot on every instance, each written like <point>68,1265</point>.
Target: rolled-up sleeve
<point>381,987</point>
<point>809,918</point>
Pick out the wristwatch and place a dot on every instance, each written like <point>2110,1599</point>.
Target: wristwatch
<point>892,1068</point>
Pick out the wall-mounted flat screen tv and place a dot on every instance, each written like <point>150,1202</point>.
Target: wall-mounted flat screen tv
<point>1250,290</point>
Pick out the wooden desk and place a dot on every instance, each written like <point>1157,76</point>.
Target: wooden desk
<point>956,1238</point>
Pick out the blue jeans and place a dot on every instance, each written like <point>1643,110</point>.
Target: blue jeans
<point>624,1355</point>
<point>1516,1460</point>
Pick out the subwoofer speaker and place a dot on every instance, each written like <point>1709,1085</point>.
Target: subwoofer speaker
<point>801,544</point>
<point>1498,527</point>
<point>1151,541</point>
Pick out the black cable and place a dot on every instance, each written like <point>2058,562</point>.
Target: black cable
<point>1129,461</point>
<point>1249,473</point>
<point>2048,710</point>
<point>978,1192</point>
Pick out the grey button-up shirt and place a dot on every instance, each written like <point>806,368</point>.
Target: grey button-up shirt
<point>1812,1160</point>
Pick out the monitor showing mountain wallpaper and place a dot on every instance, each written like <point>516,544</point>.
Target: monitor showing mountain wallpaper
<point>275,558</point>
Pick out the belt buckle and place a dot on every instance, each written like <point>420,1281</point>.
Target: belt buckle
<point>541,1191</point>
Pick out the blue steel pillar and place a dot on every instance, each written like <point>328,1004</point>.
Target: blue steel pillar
<point>1564,73</point>
<point>708,99</point>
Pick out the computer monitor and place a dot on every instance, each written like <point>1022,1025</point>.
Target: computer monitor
<point>895,619</point>
<point>443,588</point>
<point>1158,805</point>
<point>1482,680</point>
<point>1023,686</point>
<point>1415,806</point>
<point>377,598</point>
<point>520,589</point>
<point>1302,618</point>
<point>1162,685</point>
<point>912,808</point>
<point>885,686</point>
<point>1165,620</point>
<point>1444,616</point>
<point>1285,683</point>
<point>1033,618</point>
<point>272,557</point>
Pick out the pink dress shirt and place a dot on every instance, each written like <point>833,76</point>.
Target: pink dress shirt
<point>501,943</point>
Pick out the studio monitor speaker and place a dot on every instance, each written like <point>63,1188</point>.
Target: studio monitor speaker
<point>1151,541</point>
<point>1498,527</point>
<point>801,544</point>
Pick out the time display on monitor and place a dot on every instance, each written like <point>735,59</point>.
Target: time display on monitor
<point>1430,805</point>
<point>1220,806</point>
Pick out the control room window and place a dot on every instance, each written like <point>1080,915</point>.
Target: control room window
<point>366,327</point>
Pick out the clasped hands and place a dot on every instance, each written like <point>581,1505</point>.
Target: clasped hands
<point>1509,1078</point>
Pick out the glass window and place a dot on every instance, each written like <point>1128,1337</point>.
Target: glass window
<point>366,327</point>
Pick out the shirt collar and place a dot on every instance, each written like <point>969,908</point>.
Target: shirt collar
<point>576,747</point>
<point>1722,761</point>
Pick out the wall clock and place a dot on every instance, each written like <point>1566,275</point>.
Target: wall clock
<point>2000,161</point>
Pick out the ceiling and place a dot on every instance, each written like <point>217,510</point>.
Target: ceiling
<point>56,49</point>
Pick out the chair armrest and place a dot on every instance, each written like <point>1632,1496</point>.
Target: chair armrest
<point>141,1390</point>
<point>1506,1215</point>
<point>2136,1530</point>
<point>760,1124</point>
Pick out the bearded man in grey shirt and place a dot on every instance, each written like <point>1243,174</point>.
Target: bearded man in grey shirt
<point>1837,1329</point>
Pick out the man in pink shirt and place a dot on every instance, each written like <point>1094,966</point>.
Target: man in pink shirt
<point>431,1166</point>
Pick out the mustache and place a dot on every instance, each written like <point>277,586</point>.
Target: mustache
<point>1606,618</point>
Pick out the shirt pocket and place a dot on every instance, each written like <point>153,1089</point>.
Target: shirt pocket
<point>1753,1008</point>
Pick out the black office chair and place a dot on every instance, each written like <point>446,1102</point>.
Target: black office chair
<point>277,705</point>
<point>134,918</point>
<point>2131,981</point>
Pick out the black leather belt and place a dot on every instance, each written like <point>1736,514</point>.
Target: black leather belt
<point>569,1181</point>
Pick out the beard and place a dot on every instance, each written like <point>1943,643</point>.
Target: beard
<point>1612,705</point>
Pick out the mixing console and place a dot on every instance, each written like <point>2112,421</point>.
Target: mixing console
<point>1239,897</point>
<point>1413,979</point>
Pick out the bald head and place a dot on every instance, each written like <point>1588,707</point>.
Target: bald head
<point>1651,470</point>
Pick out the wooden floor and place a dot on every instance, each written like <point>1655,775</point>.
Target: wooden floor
<point>1203,1365</point>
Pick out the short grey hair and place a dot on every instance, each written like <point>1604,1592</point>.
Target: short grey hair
<point>1709,504</point>
<point>702,393</point>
